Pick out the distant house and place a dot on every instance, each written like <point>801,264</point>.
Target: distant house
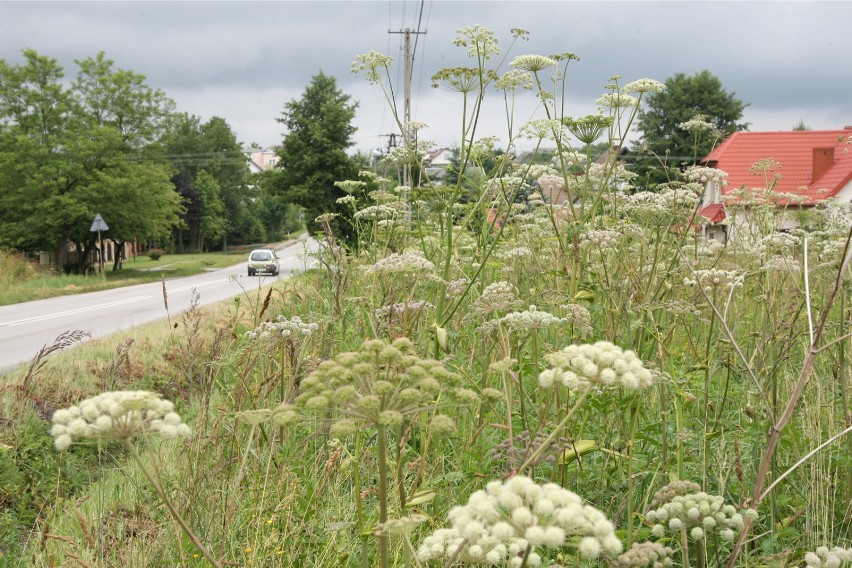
<point>261,159</point>
<point>436,162</point>
<point>814,165</point>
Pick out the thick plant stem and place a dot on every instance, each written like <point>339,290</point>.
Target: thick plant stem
<point>384,545</point>
<point>168,503</point>
<point>359,505</point>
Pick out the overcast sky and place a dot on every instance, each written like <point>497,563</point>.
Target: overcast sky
<point>243,61</point>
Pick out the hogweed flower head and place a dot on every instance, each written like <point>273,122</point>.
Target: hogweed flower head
<point>351,186</point>
<point>646,555</point>
<point>376,213</point>
<point>698,513</point>
<point>531,318</point>
<point>580,317</point>
<point>381,385</point>
<point>600,238</point>
<point>372,64</point>
<point>117,415</point>
<point>601,364</point>
<point>714,278</point>
<point>615,100</point>
<point>514,79</point>
<point>510,519</point>
<point>544,128</point>
<point>532,63</point>
<point>411,262</point>
<point>589,128</point>
<point>822,557</point>
<point>703,174</point>
<point>480,42</point>
<point>697,123</point>
<point>641,86</point>
<point>460,79</point>
<point>288,328</point>
<point>496,297</point>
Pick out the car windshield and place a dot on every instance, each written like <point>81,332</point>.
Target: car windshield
<point>261,255</point>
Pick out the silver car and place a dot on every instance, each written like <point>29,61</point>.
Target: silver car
<point>263,261</point>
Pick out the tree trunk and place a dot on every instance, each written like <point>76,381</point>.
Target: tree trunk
<point>119,255</point>
<point>84,250</point>
<point>61,254</point>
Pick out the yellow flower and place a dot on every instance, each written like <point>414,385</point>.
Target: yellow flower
<point>248,549</point>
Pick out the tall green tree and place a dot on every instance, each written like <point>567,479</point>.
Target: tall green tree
<point>313,154</point>
<point>211,148</point>
<point>667,144</point>
<point>67,153</point>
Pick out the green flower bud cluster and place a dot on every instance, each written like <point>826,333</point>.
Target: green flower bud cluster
<point>672,490</point>
<point>698,513</point>
<point>116,416</point>
<point>293,328</point>
<point>599,364</point>
<point>646,555</point>
<point>381,385</point>
<point>822,557</point>
<point>376,213</point>
<point>499,523</point>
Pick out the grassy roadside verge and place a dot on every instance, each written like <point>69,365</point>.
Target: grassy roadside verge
<point>23,284</point>
<point>36,482</point>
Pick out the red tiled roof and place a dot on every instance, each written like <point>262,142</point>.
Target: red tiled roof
<point>794,151</point>
<point>715,212</point>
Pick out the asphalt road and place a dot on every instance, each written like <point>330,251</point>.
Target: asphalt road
<point>25,328</point>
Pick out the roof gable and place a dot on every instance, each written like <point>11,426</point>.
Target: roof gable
<point>794,151</point>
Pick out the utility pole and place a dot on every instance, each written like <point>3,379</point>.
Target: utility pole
<point>406,113</point>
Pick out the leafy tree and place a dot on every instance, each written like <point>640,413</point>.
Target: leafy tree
<point>313,154</point>
<point>68,153</point>
<point>685,97</point>
<point>211,148</point>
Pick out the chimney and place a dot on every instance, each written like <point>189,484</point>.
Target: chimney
<point>823,159</point>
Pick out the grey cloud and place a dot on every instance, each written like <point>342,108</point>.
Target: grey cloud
<point>781,57</point>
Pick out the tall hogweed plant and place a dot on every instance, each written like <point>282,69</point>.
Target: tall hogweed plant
<point>553,362</point>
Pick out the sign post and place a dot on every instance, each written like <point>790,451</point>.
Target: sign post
<point>99,225</point>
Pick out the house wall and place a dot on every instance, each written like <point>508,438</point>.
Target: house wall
<point>712,194</point>
<point>845,194</point>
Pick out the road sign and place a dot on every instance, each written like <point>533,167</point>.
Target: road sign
<point>98,224</point>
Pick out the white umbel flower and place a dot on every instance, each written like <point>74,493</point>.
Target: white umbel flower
<point>600,364</point>
<point>116,416</point>
<point>509,519</point>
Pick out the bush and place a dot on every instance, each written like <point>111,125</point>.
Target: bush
<point>155,254</point>
<point>13,266</point>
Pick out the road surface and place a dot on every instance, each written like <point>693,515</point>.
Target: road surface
<point>25,328</point>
